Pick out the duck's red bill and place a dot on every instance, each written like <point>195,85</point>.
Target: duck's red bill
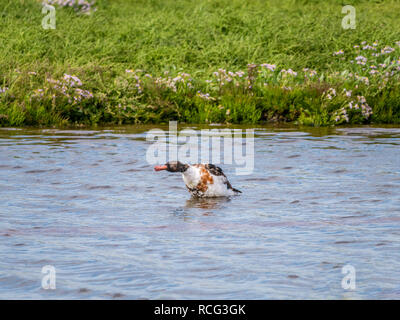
<point>159,168</point>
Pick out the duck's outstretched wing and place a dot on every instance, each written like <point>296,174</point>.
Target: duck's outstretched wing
<point>217,171</point>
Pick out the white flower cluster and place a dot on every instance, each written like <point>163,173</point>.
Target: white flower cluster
<point>68,87</point>
<point>81,6</point>
<point>330,93</point>
<point>290,72</point>
<point>172,83</point>
<point>3,90</point>
<point>205,96</point>
<point>270,67</point>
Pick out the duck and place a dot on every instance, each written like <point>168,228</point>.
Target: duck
<point>202,180</point>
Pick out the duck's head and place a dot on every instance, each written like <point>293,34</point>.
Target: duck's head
<point>172,166</point>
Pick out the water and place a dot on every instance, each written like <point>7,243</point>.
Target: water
<point>87,203</point>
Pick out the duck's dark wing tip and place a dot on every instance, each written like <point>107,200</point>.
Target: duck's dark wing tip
<point>236,190</point>
<point>213,169</point>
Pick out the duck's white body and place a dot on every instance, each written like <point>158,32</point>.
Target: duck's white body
<point>206,180</point>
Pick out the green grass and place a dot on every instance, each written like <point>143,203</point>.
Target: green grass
<point>197,38</point>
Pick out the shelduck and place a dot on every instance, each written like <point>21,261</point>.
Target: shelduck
<point>202,180</point>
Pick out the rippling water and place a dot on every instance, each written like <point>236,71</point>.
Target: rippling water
<point>88,203</point>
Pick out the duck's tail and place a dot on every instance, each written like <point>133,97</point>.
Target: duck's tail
<point>236,190</point>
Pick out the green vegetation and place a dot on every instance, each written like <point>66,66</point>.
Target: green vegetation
<point>204,61</point>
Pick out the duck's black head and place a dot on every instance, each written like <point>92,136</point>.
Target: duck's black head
<point>173,166</point>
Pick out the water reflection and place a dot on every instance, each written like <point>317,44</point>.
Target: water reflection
<point>207,203</point>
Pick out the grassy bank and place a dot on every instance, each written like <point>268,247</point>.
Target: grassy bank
<point>204,61</point>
